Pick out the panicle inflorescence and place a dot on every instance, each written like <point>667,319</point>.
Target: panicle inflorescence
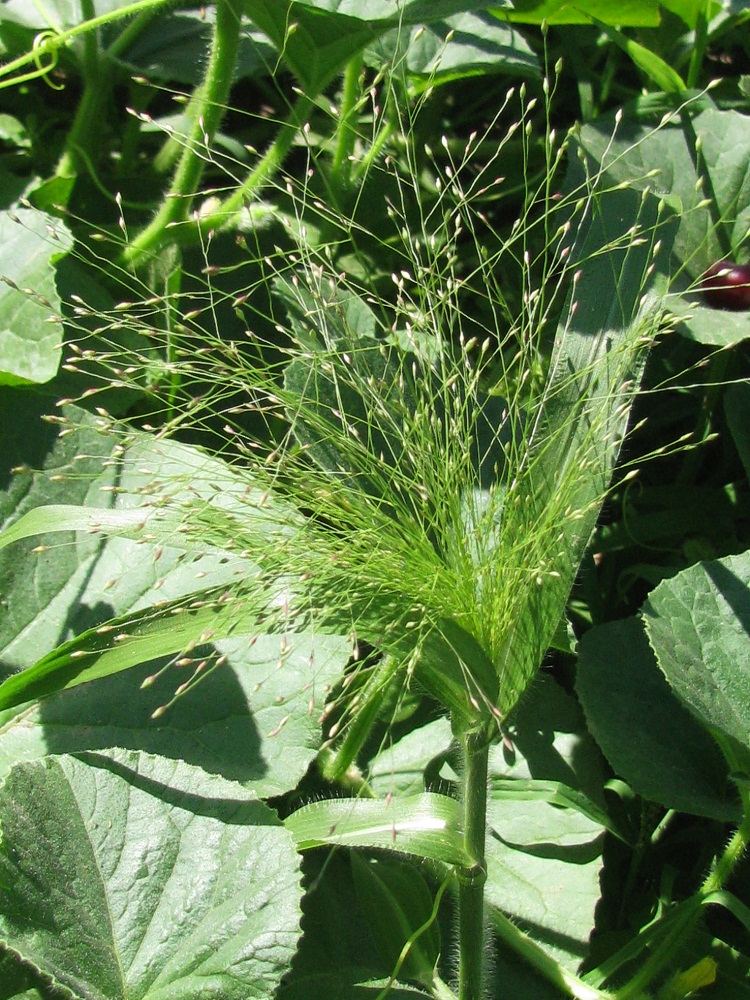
<point>415,457</point>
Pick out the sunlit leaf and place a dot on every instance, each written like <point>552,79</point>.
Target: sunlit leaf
<point>30,243</point>
<point>154,893</point>
<point>698,624</point>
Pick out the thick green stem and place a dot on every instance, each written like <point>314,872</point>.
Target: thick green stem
<point>346,136</point>
<point>260,175</point>
<point>196,229</point>
<point>83,141</point>
<point>726,863</point>
<point>471,880</point>
<point>206,112</point>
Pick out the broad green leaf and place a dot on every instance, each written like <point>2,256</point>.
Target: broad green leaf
<point>18,981</point>
<point>645,12</point>
<point>318,37</point>
<point>315,43</point>
<point>409,765</point>
<point>29,344</point>
<point>554,793</point>
<point>543,860</point>
<point>718,327</point>
<point>58,15</point>
<point>47,196</point>
<point>543,872</point>
<point>153,893</point>
<point>337,958</point>
<point>70,599</point>
<point>463,45</point>
<point>396,904</point>
<point>12,188</point>
<point>255,720</point>
<point>666,158</point>
<point>641,13</point>
<point>648,737</point>
<point>14,132</point>
<point>698,624</point>
<point>546,740</point>
<point>427,825</point>
<point>397,11</point>
<point>665,515</point>
<point>691,10</point>
<point>33,619</point>
<point>171,47</point>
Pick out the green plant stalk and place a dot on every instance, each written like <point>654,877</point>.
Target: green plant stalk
<point>262,173</point>
<point>206,112</point>
<point>698,49</point>
<point>688,914</point>
<point>346,136</point>
<point>471,881</point>
<point>132,32</point>
<point>194,230</point>
<point>85,132</point>
<point>384,134</point>
<point>726,863</point>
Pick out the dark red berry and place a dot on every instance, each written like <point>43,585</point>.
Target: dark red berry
<point>726,285</point>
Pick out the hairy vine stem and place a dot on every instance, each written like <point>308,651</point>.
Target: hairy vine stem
<point>206,112</point>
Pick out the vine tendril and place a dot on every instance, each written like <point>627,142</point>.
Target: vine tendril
<point>39,50</point>
<point>42,70</point>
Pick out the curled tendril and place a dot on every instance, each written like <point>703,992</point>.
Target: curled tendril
<point>44,57</point>
<point>43,70</point>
